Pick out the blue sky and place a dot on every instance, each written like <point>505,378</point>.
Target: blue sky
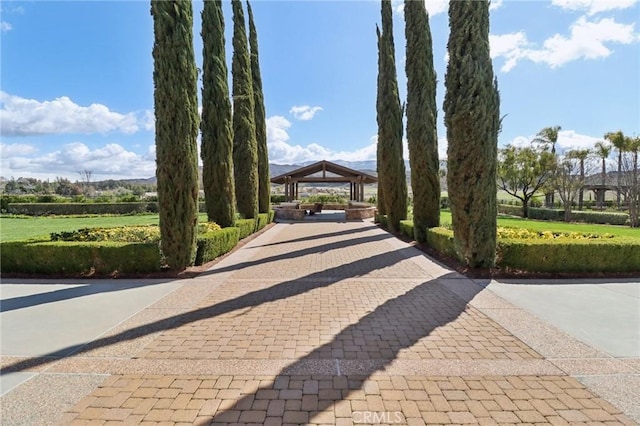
<point>77,88</point>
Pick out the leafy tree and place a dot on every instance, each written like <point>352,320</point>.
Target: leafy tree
<point>548,137</point>
<point>471,107</point>
<point>245,145</point>
<point>631,179</point>
<point>217,131</point>
<point>602,150</point>
<point>389,116</point>
<point>581,155</point>
<point>422,135</point>
<point>619,142</point>
<point>522,172</point>
<point>568,181</point>
<point>264,182</point>
<point>176,110</point>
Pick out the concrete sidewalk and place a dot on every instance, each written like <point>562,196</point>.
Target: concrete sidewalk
<point>310,323</point>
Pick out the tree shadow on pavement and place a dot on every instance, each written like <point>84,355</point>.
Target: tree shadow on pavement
<point>362,349</point>
<point>255,298</point>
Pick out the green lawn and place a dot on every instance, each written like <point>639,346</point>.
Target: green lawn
<point>541,225</point>
<point>12,229</point>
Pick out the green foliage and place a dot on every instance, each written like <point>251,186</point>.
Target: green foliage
<point>472,119</point>
<point>216,243</point>
<point>407,228</point>
<point>570,255</point>
<point>263,220</point>
<point>275,199</point>
<point>176,110</point>
<point>217,130</point>
<point>79,258</point>
<point>131,234</point>
<point>422,135</point>
<point>391,170</point>
<point>522,172</point>
<point>442,240</point>
<point>44,209</point>
<point>611,218</point>
<point>325,198</point>
<point>264,183</point>
<point>245,145</point>
<point>246,227</point>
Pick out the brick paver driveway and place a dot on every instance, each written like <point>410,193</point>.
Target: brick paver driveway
<point>327,323</point>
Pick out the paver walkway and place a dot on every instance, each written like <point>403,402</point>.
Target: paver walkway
<point>322,323</point>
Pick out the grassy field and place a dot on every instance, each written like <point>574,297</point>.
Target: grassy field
<point>541,225</point>
<point>12,229</point>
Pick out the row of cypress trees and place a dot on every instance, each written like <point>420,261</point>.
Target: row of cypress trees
<point>233,143</point>
<point>472,120</point>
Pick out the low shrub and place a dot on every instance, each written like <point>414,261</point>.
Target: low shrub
<point>126,234</point>
<point>262,221</point>
<point>441,239</point>
<point>44,209</point>
<point>381,219</point>
<point>610,218</point>
<point>276,199</point>
<point>80,258</point>
<point>406,228</point>
<point>216,243</point>
<point>246,227</point>
<point>570,253</point>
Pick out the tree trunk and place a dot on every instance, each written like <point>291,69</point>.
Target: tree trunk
<point>567,211</point>
<point>525,208</point>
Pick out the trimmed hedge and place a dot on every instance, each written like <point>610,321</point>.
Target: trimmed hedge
<point>62,209</point>
<point>216,243</point>
<point>246,227</point>
<point>406,228</point>
<point>108,258</point>
<point>79,258</point>
<point>609,218</point>
<point>44,209</point>
<point>616,254</point>
<point>600,255</point>
<point>441,239</point>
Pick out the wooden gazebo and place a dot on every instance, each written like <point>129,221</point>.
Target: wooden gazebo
<point>324,172</point>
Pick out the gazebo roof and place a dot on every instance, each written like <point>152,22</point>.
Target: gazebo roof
<point>324,171</point>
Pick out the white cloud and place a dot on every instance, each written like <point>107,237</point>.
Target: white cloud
<point>304,112</point>
<point>495,4</point>
<point>16,150</point>
<point>588,40</point>
<point>593,6</point>
<point>283,152</point>
<point>5,26</point>
<point>149,120</point>
<point>510,46</point>
<point>24,117</point>
<point>111,161</point>
<point>435,7</point>
<point>567,140</point>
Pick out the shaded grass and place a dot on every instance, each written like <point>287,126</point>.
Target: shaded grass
<point>24,227</point>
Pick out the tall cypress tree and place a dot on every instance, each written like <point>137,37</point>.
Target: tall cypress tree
<point>472,109</point>
<point>422,135</point>
<point>264,183</point>
<point>245,147</point>
<point>176,110</point>
<point>217,132</point>
<point>389,115</point>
